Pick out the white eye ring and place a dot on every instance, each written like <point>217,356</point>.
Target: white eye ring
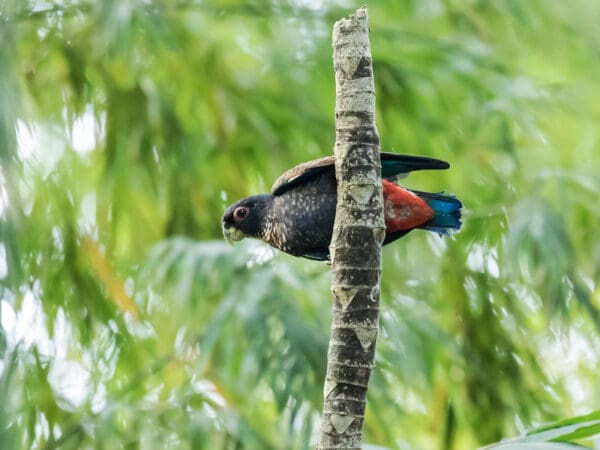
<point>240,213</point>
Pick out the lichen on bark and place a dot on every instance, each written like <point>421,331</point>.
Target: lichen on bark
<point>358,232</point>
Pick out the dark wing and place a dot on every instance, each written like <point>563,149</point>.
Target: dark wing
<point>392,165</point>
<point>301,174</point>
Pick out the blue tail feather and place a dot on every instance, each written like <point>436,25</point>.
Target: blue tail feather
<point>447,213</point>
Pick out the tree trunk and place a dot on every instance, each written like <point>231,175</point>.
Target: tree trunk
<point>357,236</point>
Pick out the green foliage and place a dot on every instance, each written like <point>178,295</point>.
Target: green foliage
<point>126,127</point>
<point>561,434</point>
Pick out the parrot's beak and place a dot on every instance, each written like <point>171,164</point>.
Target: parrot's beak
<point>232,235</point>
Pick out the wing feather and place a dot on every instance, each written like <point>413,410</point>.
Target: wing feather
<point>393,166</point>
<point>301,173</point>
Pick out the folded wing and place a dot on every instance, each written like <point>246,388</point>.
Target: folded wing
<point>392,165</point>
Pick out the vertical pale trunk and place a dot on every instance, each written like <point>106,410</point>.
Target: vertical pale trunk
<point>357,236</point>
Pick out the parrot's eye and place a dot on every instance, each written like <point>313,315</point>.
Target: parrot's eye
<point>240,213</point>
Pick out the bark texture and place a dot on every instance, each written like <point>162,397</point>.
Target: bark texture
<point>358,233</point>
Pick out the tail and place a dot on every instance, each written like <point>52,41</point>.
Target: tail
<point>393,164</point>
<point>447,213</point>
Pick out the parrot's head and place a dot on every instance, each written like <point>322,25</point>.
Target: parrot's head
<point>245,218</point>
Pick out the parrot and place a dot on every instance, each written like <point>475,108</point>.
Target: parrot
<point>297,217</point>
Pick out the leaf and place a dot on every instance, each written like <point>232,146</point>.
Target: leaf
<point>534,446</point>
<point>559,433</point>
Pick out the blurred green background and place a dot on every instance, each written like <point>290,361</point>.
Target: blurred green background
<point>126,128</point>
